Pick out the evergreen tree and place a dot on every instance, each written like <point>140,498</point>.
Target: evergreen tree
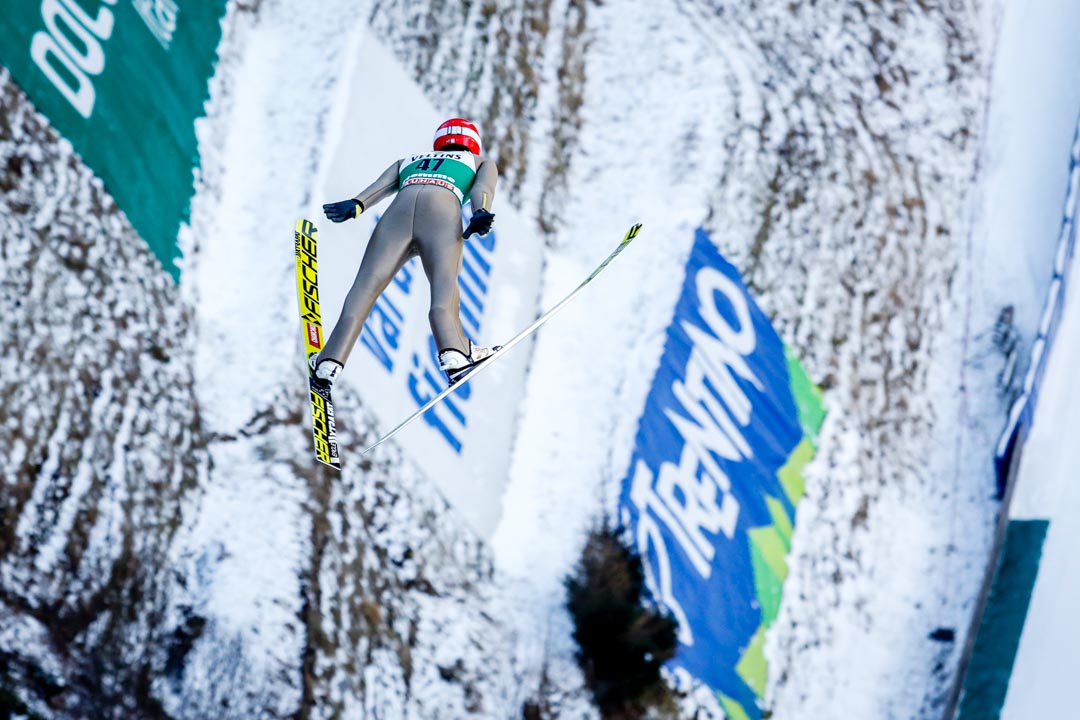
<point>624,638</point>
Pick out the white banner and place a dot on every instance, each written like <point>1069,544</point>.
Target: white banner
<point>464,443</point>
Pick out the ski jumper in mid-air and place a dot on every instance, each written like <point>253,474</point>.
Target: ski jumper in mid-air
<point>424,219</point>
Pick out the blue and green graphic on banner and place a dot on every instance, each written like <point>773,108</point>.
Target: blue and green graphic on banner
<point>729,424</point>
<point>124,81</point>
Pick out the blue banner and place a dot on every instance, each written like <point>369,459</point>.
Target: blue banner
<point>715,476</point>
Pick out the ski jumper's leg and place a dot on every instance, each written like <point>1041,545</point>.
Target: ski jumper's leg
<point>390,246</point>
<point>438,236</point>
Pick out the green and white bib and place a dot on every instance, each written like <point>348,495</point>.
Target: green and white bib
<point>454,171</point>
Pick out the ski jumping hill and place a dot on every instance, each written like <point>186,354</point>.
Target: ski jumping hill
<point>882,179</point>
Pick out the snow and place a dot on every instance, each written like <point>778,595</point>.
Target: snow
<point>1030,132</point>
<point>1031,129</point>
<point>96,451</point>
<point>572,446</point>
<point>333,593</point>
<point>1046,488</point>
<point>705,155</point>
<point>247,335</point>
<point>839,159</point>
<point>247,534</point>
<point>873,526</point>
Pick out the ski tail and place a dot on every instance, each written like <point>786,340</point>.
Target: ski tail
<point>324,431</point>
<point>630,235</point>
<point>323,427</point>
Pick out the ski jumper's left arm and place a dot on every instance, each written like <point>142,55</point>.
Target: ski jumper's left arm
<point>482,194</point>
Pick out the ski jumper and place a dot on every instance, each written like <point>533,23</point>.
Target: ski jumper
<point>424,219</point>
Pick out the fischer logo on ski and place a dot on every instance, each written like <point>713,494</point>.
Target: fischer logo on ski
<point>324,432</point>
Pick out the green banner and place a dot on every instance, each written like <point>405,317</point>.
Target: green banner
<point>998,640</point>
<point>124,81</point>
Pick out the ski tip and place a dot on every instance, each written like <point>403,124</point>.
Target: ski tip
<point>632,233</point>
<point>306,227</point>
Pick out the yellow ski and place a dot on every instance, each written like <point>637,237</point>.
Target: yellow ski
<point>307,288</point>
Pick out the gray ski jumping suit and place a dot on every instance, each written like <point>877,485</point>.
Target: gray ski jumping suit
<point>424,219</point>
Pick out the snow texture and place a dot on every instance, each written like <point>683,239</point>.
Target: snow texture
<point>168,546</point>
<point>829,149</point>
<point>168,549</point>
<point>1046,488</point>
<point>1038,44</point>
<point>319,594</point>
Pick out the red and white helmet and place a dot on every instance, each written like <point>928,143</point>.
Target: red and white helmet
<point>458,131</point>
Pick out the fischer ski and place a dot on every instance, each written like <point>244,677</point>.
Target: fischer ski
<point>307,288</point>
<point>480,367</point>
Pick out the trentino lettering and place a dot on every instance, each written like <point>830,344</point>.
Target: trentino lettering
<point>688,502</point>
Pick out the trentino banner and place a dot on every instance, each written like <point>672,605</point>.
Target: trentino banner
<point>715,475</point>
<point>124,81</point>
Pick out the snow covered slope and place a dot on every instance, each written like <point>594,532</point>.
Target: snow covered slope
<point>829,148</point>
<point>321,594</point>
<point>167,548</point>
<point>100,437</point>
<point>1031,172</point>
<point>1047,489</point>
<point>1038,113</point>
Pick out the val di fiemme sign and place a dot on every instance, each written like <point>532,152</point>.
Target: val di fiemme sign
<point>124,81</point>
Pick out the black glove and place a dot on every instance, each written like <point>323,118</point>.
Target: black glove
<point>344,210</point>
<point>480,223</point>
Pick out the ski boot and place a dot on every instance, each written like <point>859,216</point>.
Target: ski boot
<point>456,364</point>
<point>324,372</point>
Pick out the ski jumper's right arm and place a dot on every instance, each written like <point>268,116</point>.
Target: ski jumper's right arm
<point>385,186</point>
